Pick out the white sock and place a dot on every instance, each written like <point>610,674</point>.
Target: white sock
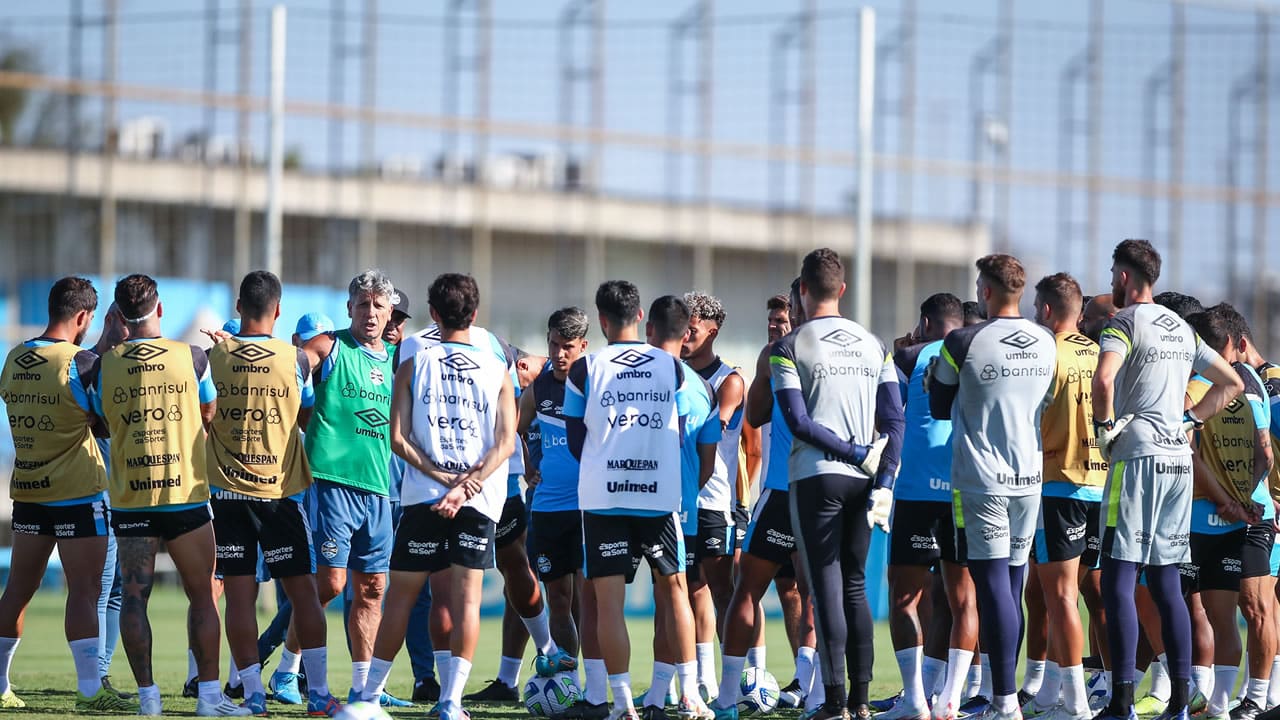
<point>251,679</point>
<point>1273,691</point>
<point>662,675</point>
<point>984,689</point>
<point>673,691</point>
<point>932,673</point>
<point>539,628</point>
<point>706,654</point>
<point>85,655</point>
<point>291,662</point>
<point>1050,685</point>
<point>756,657</point>
<point>597,691</point>
<point>444,671</point>
<point>909,661</point>
<point>1243,692</point>
<point>818,695</point>
<point>150,692</point>
<point>730,680</point>
<point>1202,680</point>
<point>233,673</point>
<point>210,691</point>
<point>442,658</point>
<point>359,675</point>
<point>316,661</point>
<point>620,684</point>
<point>8,646</point>
<point>1139,676</point>
<point>1224,681</point>
<point>1160,685</point>
<point>509,671</point>
<point>461,670</point>
<point>1074,695</point>
<point>1256,690</point>
<point>192,670</point>
<point>1005,704</point>
<point>688,674</point>
<point>376,681</point>
<point>805,666</point>
<point>954,682</point>
<point>1033,676</point>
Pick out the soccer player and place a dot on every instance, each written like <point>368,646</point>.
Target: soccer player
<point>711,577</point>
<point>973,313</point>
<point>1231,509</point>
<point>1147,355</point>
<point>156,396</point>
<point>991,381</point>
<point>347,444</point>
<point>259,474</point>
<point>453,421</point>
<point>1097,312</point>
<point>838,391</point>
<point>58,489</point>
<point>923,534</point>
<point>1069,537</point>
<point>622,424</point>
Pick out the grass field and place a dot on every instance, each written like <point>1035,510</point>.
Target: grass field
<point>43,676</point>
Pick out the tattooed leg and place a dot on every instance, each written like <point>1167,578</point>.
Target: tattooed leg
<point>137,575</point>
<point>193,555</point>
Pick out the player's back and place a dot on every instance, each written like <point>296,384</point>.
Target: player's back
<point>1070,452</point>
<point>699,426</point>
<point>925,473</point>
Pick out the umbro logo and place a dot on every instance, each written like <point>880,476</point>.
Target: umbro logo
<point>1234,406</point>
<point>1078,340</point>
<point>1165,322</point>
<point>29,359</point>
<point>143,352</point>
<point>252,352</point>
<point>460,363</point>
<point>842,338</point>
<point>373,417</point>
<point>546,404</point>
<point>632,359</point>
<point>1020,339</point>
<point>431,333</point>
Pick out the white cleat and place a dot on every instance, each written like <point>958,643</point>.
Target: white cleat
<point>222,708</point>
<point>150,707</point>
<point>902,711</point>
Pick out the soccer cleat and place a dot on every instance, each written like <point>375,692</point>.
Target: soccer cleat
<point>941,712</point>
<point>790,697</point>
<point>885,703</point>
<point>322,705</point>
<point>426,690</point>
<point>725,713</point>
<point>861,711</point>
<point>222,708</point>
<point>584,710</point>
<point>387,700</point>
<point>626,713</point>
<point>450,711</point>
<point>150,706</point>
<point>256,703</point>
<point>234,693</point>
<point>1024,697</point>
<point>975,706</point>
<point>1099,693</point>
<point>9,701</point>
<point>649,712</point>
<point>1106,714</point>
<point>104,701</point>
<point>106,683</point>
<point>558,661</point>
<point>191,689</point>
<point>901,710</point>
<point>1183,714</point>
<point>285,687</point>
<point>991,713</point>
<point>694,709</point>
<point>709,693</point>
<point>495,691</point>
<point>1031,710</point>
<point>1059,712</point>
<point>1246,710</point>
<point>819,714</point>
<point>1196,705</point>
<point>1149,705</point>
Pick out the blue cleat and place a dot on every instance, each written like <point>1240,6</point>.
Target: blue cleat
<point>973,707</point>
<point>885,704</point>
<point>256,704</point>
<point>450,711</point>
<point>387,700</point>
<point>284,687</point>
<point>1183,714</point>
<point>1106,714</point>
<point>322,705</point>
<point>723,713</point>
<point>559,661</point>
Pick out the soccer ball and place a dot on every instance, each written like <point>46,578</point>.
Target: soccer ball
<point>759,692</point>
<point>544,697</point>
<point>362,711</point>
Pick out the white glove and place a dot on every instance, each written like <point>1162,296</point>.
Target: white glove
<point>1107,436</point>
<point>878,508</point>
<point>871,463</point>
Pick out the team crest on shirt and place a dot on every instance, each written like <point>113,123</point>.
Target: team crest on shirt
<point>29,359</point>
<point>375,376</point>
<point>329,549</point>
<point>544,564</point>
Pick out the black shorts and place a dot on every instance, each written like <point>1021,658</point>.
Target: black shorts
<point>82,520</point>
<point>512,523</point>
<point>715,534</point>
<point>786,572</point>
<point>741,519</point>
<point>278,527</point>
<point>557,543</point>
<point>159,523</point>
<point>614,544</point>
<point>1072,529</point>
<point>769,535</point>
<point>923,532</point>
<point>426,541</point>
<point>1215,562</point>
<point>1255,556</point>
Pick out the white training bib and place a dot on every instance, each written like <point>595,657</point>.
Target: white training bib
<point>718,494</point>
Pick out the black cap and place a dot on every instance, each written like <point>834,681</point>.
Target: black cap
<point>400,303</point>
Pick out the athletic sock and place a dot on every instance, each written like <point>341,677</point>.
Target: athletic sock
<point>85,655</point>
<point>620,684</point>
<point>442,658</point>
<point>291,662</point>
<point>973,681</point>
<point>1273,690</point>
<point>953,685</point>
<point>150,692</point>
<point>932,672</point>
<point>657,694</point>
<point>730,680</point>
<point>984,662</point>
<point>379,669</point>
<point>192,670</point>
<point>804,668</point>
<point>817,697</point>
<point>509,671</point>
<point>210,691</point>
<point>1224,681</point>
<point>444,671</point>
<point>1256,690</point>
<point>233,674</point>
<point>316,660</point>
<point>251,679</point>
<point>688,674</point>
<point>597,681</point>
<point>1244,684</point>
<point>909,661</point>
<point>359,675</point>
<point>460,668</point>
<point>706,654</point>
<point>1075,696</point>
<point>1005,704</point>
<point>1201,679</point>
<point>1159,679</point>
<point>1033,677</point>
<point>539,628</point>
<point>1050,690</point>
<point>756,656</point>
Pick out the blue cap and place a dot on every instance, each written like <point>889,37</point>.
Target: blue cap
<point>312,324</point>
<point>232,326</point>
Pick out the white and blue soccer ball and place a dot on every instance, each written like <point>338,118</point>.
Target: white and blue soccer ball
<point>759,690</point>
<point>362,711</point>
<point>544,697</point>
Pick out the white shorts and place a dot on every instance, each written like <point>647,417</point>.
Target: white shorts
<point>997,526</point>
<point>1146,510</point>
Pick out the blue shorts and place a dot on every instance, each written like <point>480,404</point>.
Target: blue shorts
<point>353,528</point>
<point>1275,560</point>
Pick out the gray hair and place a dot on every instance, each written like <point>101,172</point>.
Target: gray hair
<point>570,322</point>
<point>705,307</point>
<point>370,282</point>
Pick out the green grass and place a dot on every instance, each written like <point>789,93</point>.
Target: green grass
<point>42,673</point>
